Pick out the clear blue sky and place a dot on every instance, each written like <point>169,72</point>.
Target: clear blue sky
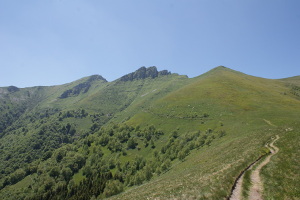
<point>53,42</point>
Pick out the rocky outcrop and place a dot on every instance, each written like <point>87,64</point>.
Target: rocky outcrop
<point>81,87</point>
<point>143,72</point>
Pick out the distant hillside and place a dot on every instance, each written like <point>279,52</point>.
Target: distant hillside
<point>149,135</point>
<point>82,87</point>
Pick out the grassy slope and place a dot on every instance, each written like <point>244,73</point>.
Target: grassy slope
<point>150,91</point>
<point>251,109</point>
<point>292,80</point>
<point>282,174</point>
<point>108,98</point>
<point>246,107</point>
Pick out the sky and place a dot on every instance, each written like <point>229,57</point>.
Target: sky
<point>53,42</point>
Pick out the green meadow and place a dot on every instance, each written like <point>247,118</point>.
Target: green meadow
<point>149,135</point>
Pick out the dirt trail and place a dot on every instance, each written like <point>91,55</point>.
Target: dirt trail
<point>270,123</point>
<point>237,189</point>
<point>257,186</point>
<point>237,192</point>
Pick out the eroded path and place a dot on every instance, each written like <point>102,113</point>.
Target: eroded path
<point>237,192</point>
<point>257,187</point>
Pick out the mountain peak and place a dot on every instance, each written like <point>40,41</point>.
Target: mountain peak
<point>143,72</point>
<point>82,87</point>
<point>96,77</point>
<point>220,70</point>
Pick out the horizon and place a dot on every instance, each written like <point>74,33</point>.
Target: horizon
<point>136,70</point>
<point>57,42</point>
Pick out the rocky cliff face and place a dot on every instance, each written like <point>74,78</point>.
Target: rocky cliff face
<point>143,72</point>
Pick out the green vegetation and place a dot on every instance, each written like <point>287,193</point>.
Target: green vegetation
<point>148,134</point>
<point>284,183</point>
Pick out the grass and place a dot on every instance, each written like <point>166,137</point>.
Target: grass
<point>78,177</point>
<point>241,103</point>
<point>281,175</point>
<point>247,176</point>
<point>249,109</point>
<point>246,184</point>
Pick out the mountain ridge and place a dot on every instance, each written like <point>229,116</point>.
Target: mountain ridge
<point>152,72</point>
<point>170,135</point>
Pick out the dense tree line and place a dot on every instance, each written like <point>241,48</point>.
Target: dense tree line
<point>38,146</point>
<point>102,158</point>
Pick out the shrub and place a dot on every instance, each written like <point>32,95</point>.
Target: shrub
<point>113,187</point>
<point>18,175</point>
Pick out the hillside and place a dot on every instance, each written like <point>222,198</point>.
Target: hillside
<point>148,134</point>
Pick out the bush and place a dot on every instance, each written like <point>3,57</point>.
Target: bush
<point>18,175</point>
<point>131,143</point>
<point>67,173</point>
<point>54,172</point>
<point>113,187</point>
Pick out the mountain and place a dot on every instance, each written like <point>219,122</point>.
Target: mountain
<point>149,134</point>
<point>143,73</point>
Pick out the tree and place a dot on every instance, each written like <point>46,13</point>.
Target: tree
<point>175,134</point>
<point>94,127</point>
<point>113,187</point>
<point>131,144</point>
<point>54,172</point>
<point>114,145</point>
<point>59,154</point>
<point>103,140</point>
<point>75,161</point>
<point>222,133</point>
<point>67,173</point>
<point>148,172</point>
<point>152,145</point>
<point>166,165</point>
<point>138,178</point>
<point>47,155</point>
<point>18,175</point>
<point>48,183</point>
<point>183,153</point>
